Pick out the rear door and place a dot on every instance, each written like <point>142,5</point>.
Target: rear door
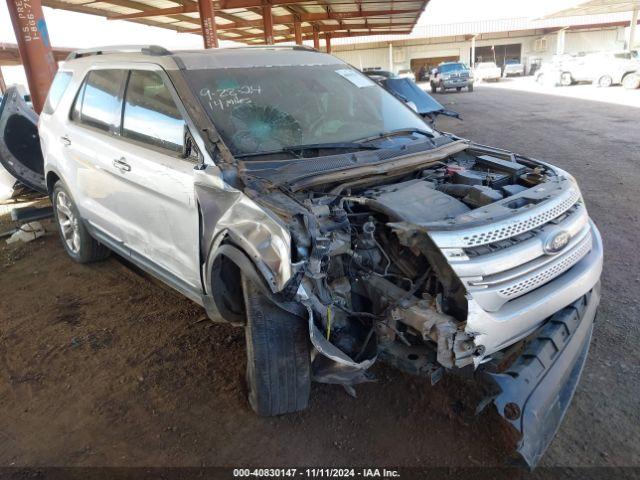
<point>89,151</point>
<point>160,215</point>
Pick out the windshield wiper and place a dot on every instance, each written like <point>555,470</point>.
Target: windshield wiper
<point>396,133</point>
<point>299,149</point>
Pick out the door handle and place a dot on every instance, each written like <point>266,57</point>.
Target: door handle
<point>122,165</point>
<point>66,141</point>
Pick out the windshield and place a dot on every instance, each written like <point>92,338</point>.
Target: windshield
<point>265,109</point>
<point>452,67</point>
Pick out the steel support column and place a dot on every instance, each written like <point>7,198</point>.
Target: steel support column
<point>297,30</point>
<point>3,85</point>
<point>316,38</point>
<point>632,28</point>
<point>208,23</point>
<point>35,48</point>
<point>327,40</point>
<point>473,51</point>
<point>560,41</point>
<point>267,23</point>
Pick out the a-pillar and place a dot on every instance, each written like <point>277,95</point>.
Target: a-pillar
<point>267,23</point>
<point>35,48</point>
<point>208,23</point>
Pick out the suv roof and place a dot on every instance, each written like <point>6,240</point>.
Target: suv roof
<point>268,55</point>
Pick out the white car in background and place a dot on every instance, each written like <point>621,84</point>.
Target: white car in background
<point>487,71</point>
<point>513,66</point>
<point>407,73</point>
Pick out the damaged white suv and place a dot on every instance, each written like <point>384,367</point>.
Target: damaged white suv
<point>285,191</point>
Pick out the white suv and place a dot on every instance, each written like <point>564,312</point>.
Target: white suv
<point>285,191</point>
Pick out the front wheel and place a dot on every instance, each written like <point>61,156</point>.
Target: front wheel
<point>434,89</point>
<point>76,240</point>
<point>470,87</point>
<point>458,89</point>
<point>278,356</point>
<point>443,89</point>
<point>631,81</point>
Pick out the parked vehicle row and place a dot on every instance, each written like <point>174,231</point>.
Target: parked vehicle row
<point>603,69</point>
<point>288,193</point>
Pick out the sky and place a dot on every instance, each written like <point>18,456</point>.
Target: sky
<point>75,30</point>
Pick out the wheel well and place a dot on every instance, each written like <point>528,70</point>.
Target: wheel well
<point>227,294</point>
<point>52,178</point>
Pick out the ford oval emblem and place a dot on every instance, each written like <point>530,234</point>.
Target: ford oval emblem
<point>557,241</point>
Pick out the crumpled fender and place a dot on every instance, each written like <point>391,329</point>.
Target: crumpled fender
<point>230,215</point>
<point>20,152</point>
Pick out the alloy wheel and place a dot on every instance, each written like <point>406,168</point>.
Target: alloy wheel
<point>68,222</point>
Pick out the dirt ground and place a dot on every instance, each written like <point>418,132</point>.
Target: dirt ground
<point>101,367</point>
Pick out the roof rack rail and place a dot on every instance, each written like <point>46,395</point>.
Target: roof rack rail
<point>145,49</point>
<point>278,47</point>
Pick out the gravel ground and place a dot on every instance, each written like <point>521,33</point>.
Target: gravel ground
<point>100,366</point>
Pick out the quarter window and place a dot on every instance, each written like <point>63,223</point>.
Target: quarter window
<point>58,87</point>
<point>150,113</point>
<point>100,100</point>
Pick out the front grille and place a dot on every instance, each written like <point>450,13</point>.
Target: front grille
<point>516,228</point>
<point>548,273</point>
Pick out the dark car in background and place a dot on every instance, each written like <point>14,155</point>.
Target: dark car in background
<point>451,75</point>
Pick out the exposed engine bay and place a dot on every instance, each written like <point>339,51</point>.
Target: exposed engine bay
<point>371,287</point>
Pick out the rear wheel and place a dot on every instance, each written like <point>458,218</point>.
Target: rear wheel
<point>605,81</point>
<point>278,356</point>
<point>76,240</point>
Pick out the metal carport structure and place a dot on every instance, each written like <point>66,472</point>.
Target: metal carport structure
<point>596,7</point>
<point>246,21</point>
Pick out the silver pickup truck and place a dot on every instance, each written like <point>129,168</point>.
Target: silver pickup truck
<point>288,193</point>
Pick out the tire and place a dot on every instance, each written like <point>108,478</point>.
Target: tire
<point>278,356</point>
<point>470,87</point>
<point>566,79</point>
<point>443,89</point>
<point>631,81</point>
<point>605,81</point>
<point>80,246</point>
<point>434,89</point>
<point>540,79</point>
<point>458,89</point>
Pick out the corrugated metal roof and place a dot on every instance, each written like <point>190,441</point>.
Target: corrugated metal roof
<point>595,7</point>
<point>241,20</point>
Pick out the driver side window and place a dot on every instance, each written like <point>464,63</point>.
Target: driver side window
<point>150,114</point>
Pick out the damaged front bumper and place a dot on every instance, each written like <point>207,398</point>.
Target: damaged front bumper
<point>536,390</point>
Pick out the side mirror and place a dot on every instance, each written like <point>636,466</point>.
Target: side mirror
<point>189,148</point>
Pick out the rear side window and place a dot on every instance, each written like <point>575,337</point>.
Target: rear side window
<point>98,103</point>
<point>57,89</point>
<point>150,113</point>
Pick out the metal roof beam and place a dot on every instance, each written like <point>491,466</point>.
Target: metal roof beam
<point>279,19</point>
